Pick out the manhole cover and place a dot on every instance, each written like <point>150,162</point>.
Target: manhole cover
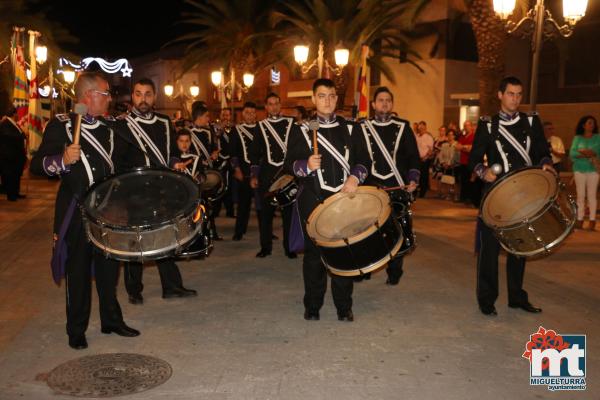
<point>108,375</point>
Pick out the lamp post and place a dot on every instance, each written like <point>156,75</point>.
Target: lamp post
<point>181,95</point>
<point>228,89</point>
<point>539,23</point>
<point>341,56</point>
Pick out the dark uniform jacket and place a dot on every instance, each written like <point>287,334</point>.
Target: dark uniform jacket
<point>12,146</point>
<point>242,137</point>
<point>343,153</point>
<point>97,149</point>
<point>514,144</point>
<point>269,148</point>
<point>202,144</point>
<point>398,140</point>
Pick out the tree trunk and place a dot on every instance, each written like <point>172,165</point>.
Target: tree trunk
<point>491,48</point>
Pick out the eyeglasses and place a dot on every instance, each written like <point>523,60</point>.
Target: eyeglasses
<point>107,93</point>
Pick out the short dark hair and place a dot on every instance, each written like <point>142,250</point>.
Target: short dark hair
<point>272,94</point>
<point>199,103</point>
<point>579,130</point>
<point>11,111</point>
<point>382,89</point>
<point>198,111</point>
<point>328,83</point>
<point>509,80</point>
<point>146,82</point>
<point>183,132</point>
<point>302,111</point>
<point>249,104</point>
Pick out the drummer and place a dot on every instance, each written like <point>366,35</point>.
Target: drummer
<point>340,166</point>
<point>394,154</point>
<point>512,140</point>
<point>189,161</point>
<point>79,165</point>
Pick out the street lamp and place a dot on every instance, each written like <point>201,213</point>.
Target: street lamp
<point>228,89</point>
<point>41,54</point>
<point>540,24</point>
<point>341,56</point>
<point>69,76</point>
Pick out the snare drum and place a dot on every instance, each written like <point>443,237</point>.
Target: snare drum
<point>401,202</point>
<point>529,211</point>
<point>355,233</point>
<point>145,214</point>
<point>283,191</point>
<point>214,186</point>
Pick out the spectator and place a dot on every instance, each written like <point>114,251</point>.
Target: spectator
<point>464,145</point>
<point>447,162</point>
<point>425,145</point>
<point>556,145</point>
<point>584,150</point>
<point>12,154</point>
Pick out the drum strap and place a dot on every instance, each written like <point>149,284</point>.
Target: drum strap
<point>334,153</point>
<point>99,148</point>
<point>384,150</point>
<point>523,152</point>
<point>143,136</point>
<point>242,130</point>
<point>200,148</point>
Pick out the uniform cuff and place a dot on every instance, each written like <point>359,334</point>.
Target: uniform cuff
<point>54,165</point>
<point>414,175</point>
<point>360,172</point>
<point>545,160</point>
<point>480,170</point>
<point>254,171</point>
<point>300,168</point>
<point>235,162</point>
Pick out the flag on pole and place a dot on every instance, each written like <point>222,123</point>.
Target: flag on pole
<point>35,106</point>
<point>20,88</point>
<point>362,87</point>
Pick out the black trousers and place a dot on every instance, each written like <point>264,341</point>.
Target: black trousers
<point>243,207</point>
<point>170,277</point>
<point>11,180</point>
<point>78,283</point>
<point>424,179</point>
<point>315,282</point>
<point>267,212</point>
<point>487,272</point>
<point>394,269</point>
<point>466,186</point>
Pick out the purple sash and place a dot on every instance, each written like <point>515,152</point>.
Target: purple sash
<point>296,233</point>
<point>59,252</point>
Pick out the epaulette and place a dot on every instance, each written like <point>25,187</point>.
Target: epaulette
<point>485,118</point>
<point>63,117</point>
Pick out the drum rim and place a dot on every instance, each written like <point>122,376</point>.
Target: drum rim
<point>508,176</point>
<point>355,238</point>
<point>271,190</point>
<point>147,227</point>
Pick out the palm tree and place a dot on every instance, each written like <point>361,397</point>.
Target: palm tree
<point>352,23</point>
<point>232,33</point>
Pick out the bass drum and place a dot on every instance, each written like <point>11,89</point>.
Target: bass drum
<point>356,233</point>
<point>529,211</point>
<point>145,214</point>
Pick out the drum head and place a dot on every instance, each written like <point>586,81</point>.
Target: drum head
<point>280,183</point>
<point>348,216</point>
<point>518,196</point>
<point>212,180</point>
<point>141,198</point>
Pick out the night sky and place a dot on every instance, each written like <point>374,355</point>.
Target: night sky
<point>117,28</point>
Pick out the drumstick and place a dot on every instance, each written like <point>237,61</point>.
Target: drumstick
<point>314,126</point>
<point>80,110</point>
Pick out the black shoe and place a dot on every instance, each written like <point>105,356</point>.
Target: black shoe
<point>21,196</point>
<point>488,310</point>
<point>274,237</point>
<point>291,255</point>
<point>345,316</point>
<point>363,277</point>
<point>178,292</point>
<point>78,342</point>
<point>216,237</point>
<point>136,298</point>
<point>122,330</point>
<point>311,315</point>
<point>11,198</point>
<point>526,307</point>
<point>263,253</point>
<point>236,238</point>
<point>392,281</point>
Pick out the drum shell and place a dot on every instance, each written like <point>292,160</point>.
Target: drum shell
<point>539,232</point>
<point>286,196</point>
<point>368,254</point>
<point>403,215</point>
<point>542,232</point>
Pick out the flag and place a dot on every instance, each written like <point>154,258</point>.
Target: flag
<point>35,106</point>
<point>20,88</point>
<point>362,88</point>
